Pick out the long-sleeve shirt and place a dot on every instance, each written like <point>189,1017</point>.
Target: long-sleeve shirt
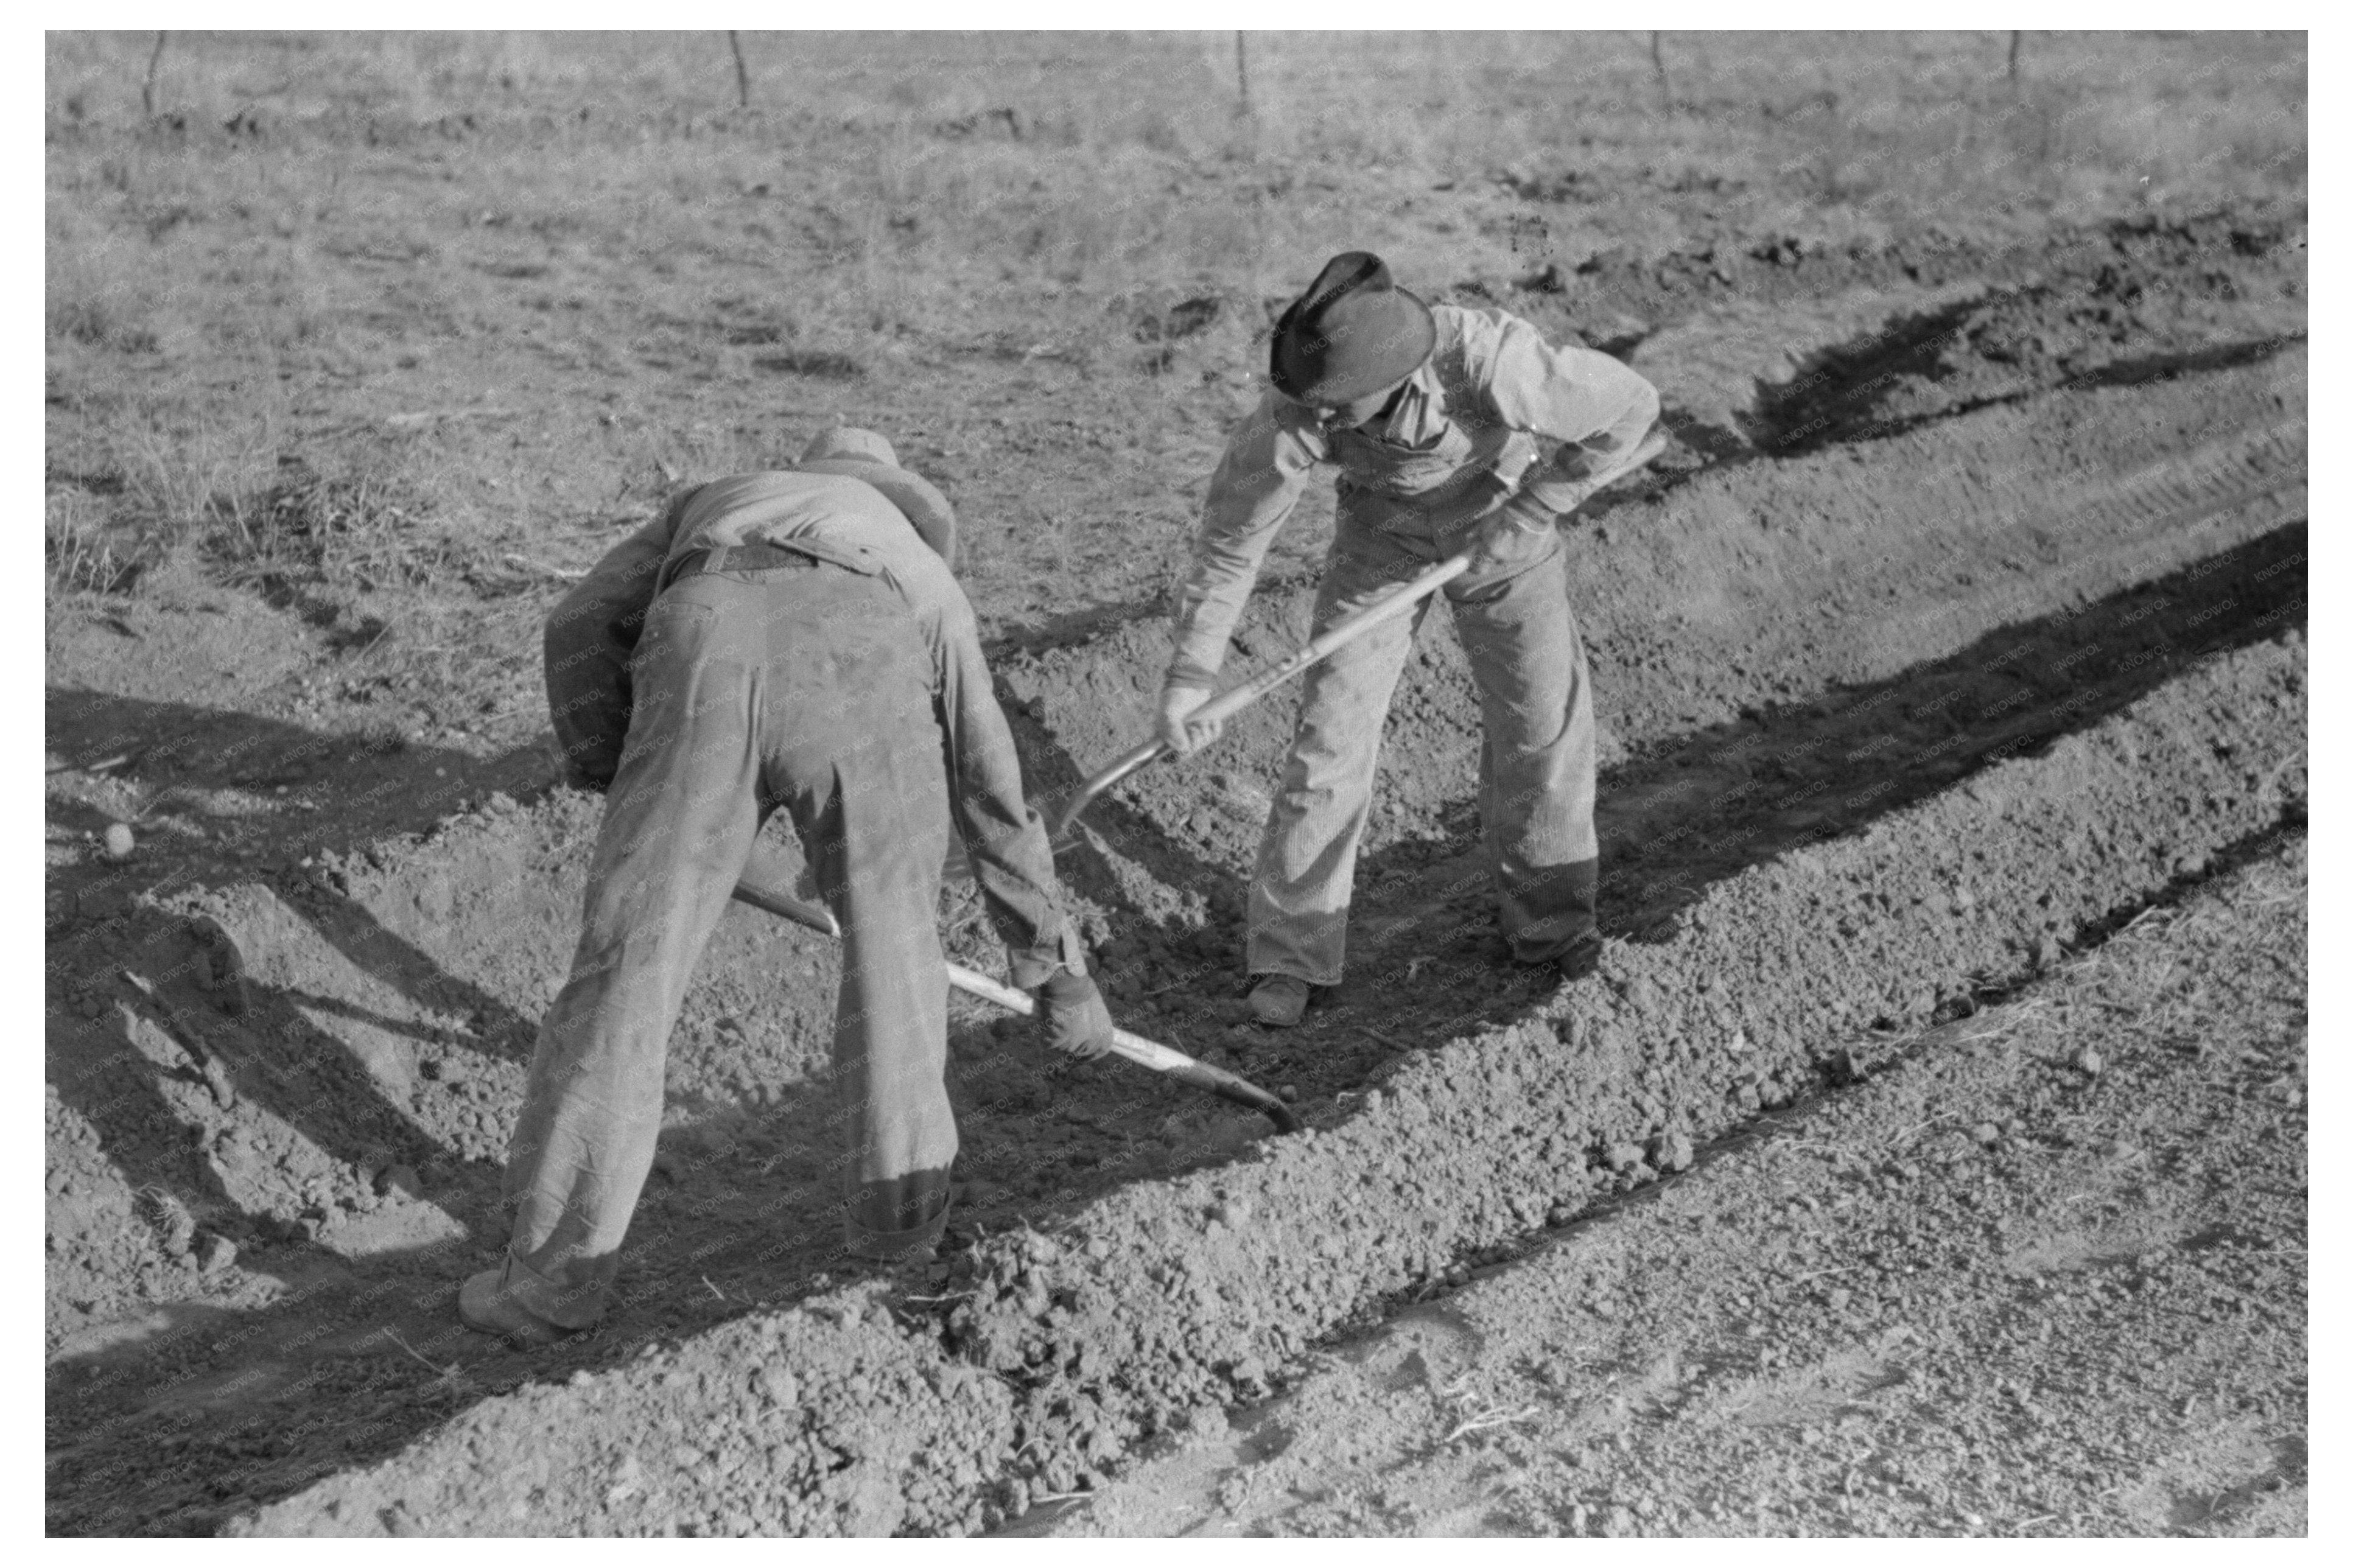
<point>1490,384</point>
<point>592,632</point>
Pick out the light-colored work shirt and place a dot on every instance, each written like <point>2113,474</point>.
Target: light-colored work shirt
<point>592,632</point>
<point>1489,387</point>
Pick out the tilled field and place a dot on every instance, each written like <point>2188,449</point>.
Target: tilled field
<point>2042,1274</point>
<point>1938,660</point>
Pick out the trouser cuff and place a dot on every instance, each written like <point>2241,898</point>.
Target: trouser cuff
<point>893,1246</point>
<point>1563,898</point>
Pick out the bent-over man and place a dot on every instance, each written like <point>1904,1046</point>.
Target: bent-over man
<point>791,640</point>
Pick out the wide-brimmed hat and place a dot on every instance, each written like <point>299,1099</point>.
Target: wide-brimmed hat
<point>864,455</point>
<point>1354,332</point>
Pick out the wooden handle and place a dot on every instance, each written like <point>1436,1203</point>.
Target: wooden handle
<point>1226,704</point>
<point>1143,1053</point>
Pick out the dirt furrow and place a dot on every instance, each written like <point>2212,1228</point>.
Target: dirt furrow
<point>1167,1296</point>
<point>1746,585</point>
<point>1900,1311</point>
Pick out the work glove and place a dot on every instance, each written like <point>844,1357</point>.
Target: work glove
<point>1178,698</point>
<point>1071,1017</point>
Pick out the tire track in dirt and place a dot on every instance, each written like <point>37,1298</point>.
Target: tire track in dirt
<point>1165,1298</point>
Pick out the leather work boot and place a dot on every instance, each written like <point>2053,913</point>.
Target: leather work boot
<point>1278,1000</point>
<point>1582,957</point>
<point>482,1305</point>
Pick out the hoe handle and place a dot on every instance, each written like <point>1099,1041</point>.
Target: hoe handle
<point>1228,703</point>
<point>1143,1053</point>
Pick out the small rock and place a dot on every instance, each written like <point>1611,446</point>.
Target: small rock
<point>626,1476</point>
<point>1289,1091</point>
<point>1623,1157</point>
<point>217,1080</point>
<point>119,841</point>
<point>2090,1061</point>
<point>1673,1152</point>
<point>215,1253</point>
<point>776,1385</point>
<point>1987,1133</point>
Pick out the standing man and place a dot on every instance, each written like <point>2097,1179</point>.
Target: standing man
<point>792,639</point>
<point>1430,415</point>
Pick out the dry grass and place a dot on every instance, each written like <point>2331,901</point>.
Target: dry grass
<point>532,277</point>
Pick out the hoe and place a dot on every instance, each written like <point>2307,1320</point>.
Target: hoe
<point>1134,1047</point>
<point>1228,703</point>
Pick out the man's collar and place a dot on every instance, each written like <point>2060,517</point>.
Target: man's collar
<point>1420,387</point>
